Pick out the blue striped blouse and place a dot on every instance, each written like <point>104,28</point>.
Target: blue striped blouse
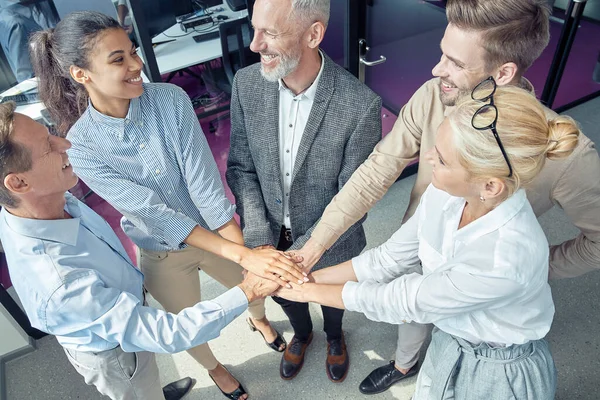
<point>154,166</point>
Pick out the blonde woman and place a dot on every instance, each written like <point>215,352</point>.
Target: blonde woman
<point>482,256</point>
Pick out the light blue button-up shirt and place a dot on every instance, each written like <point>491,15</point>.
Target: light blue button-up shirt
<point>76,281</point>
<point>154,166</point>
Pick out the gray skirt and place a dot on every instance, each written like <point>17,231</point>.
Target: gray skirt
<point>455,369</point>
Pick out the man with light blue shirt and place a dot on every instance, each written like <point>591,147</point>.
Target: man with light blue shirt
<point>76,281</point>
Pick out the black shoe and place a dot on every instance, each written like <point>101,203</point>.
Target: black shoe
<point>293,358</point>
<point>236,394</point>
<point>176,390</point>
<point>337,360</point>
<point>279,344</point>
<point>382,378</point>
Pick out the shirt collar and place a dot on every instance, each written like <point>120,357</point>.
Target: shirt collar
<point>490,222</point>
<point>117,125</point>
<point>311,92</point>
<point>58,230</point>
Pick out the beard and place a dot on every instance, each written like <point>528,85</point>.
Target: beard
<point>450,99</point>
<point>287,64</point>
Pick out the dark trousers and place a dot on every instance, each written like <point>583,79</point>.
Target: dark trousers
<point>299,315</point>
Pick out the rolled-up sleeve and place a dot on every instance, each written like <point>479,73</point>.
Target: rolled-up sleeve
<point>199,167</point>
<point>139,204</point>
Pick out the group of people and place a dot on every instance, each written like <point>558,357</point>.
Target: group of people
<point>306,163</point>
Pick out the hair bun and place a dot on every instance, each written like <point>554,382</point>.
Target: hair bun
<point>563,136</point>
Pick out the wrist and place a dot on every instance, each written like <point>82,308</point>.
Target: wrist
<point>247,291</point>
<point>237,253</point>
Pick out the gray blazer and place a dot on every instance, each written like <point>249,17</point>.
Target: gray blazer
<point>343,127</point>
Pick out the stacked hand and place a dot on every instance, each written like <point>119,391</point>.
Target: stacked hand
<point>295,293</point>
<point>273,265</point>
<point>255,287</point>
<point>308,255</point>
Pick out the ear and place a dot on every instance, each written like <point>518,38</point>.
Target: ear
<point>316,33</point>
<point>493,189</point>
<point>506,73</point>
<point>79,74</point>
<point>17,184</point>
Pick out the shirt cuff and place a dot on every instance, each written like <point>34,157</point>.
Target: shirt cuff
<point>178,229</point>
<point>218,215</point>
<point>325,236</point>
<point>361,265</point>
<point>350,296</point>
<point>233,302</point>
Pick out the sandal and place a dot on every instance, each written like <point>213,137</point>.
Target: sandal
<point>275,344</point>
<point>236,394</point>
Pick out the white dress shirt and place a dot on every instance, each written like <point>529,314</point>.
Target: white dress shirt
<point>486,282</point>
<point>294,111</point>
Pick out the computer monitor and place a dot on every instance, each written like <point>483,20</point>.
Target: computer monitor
<point>183,7</point>
<point>159,15</point>
<point>209,3</point>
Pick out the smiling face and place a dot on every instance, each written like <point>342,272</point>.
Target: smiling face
<point>277,38</point>
<point>115,69</point>
<point>462,65</point>
<point>51,172</point>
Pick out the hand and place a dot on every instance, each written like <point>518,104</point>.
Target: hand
<point>255,287</point>
<point>273,265</point>
<point>308,255</point>
<point>296,293</point>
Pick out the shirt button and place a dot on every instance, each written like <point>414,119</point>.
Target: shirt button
<point>157,171</point>
<point>291,125</point>
<point>287,151</point>
<point>287,174</point>
<point>287,215</point>
<point>287,194</point>
<point>142,145</point>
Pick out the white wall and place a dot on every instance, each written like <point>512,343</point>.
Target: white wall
<point>12,336</point>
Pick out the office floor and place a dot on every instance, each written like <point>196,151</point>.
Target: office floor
<point>46,374</point>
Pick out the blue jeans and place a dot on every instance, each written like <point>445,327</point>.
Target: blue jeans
<point>17,22</point>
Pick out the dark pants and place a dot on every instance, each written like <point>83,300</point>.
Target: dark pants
<point>299,314</point>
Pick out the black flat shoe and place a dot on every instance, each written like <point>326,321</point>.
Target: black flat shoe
<point>178,389</point>
<point>236,394</point>
<point>275,344</point>
<point>380,379</point>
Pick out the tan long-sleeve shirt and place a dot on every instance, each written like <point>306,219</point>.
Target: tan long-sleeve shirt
<point>572,183</point>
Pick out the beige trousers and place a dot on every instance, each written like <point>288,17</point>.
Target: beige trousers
<point>119,375</point>
<point>410,340</point>
<point>172,278</point>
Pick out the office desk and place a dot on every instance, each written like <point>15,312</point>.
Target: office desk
<point>33,110</point>
<point>184,51</point>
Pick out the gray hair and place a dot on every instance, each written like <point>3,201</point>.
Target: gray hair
<point>312,10</point>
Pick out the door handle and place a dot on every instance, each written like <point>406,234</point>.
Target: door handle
<point>363,50</point>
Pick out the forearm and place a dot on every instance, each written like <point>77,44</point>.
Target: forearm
<point>335,275</point>
<point>206,240</point>
<point>574,258</point>
<point>326,295</point>
<point>232,232</point>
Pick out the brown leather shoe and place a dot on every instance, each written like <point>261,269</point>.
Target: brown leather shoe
<point>338,360</point>
<point>293,358</point>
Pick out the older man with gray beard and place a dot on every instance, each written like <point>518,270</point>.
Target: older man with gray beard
<point>300,126</point>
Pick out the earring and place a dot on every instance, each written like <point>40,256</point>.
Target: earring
<point>482,199</point>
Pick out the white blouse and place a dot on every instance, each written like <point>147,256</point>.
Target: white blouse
<point>486,282</point>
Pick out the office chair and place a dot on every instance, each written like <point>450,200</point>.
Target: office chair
<point>236,37</point>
